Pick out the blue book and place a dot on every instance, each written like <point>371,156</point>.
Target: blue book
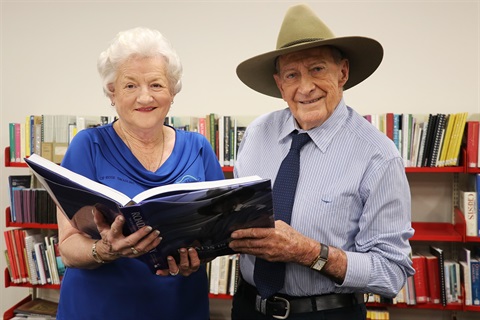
<point>475,273</point>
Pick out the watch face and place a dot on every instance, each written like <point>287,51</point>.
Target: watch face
<point>319,264</point>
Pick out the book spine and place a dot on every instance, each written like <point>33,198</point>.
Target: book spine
<point>396,119</point>
<point>433,278</point>
<point>472,143</point>
<point>475,274</point>
<point>420,279</point>
<point>468,206</point>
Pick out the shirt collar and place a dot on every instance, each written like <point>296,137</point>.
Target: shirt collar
<point>323,134</point>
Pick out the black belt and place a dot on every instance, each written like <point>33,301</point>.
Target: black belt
<point>280,306</point>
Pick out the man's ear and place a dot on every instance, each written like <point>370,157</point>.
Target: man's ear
<point>344,71</point>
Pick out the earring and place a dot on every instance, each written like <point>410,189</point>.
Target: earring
<point>113,104</point>
<point>172,102</point>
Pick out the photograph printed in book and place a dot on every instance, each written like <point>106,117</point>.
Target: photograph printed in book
<point>198,214</point>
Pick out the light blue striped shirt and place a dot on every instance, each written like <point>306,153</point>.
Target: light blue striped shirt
<point>352,193</point>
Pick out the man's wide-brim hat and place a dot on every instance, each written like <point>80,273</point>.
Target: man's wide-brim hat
<point>302,29</point>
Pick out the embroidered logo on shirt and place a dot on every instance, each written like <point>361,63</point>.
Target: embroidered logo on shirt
<point>188,178</point>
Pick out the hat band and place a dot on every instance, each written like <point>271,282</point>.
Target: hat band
<point>300,41</point>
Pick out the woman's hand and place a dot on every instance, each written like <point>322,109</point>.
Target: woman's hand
<point>114,244</point>
<point>189,263</point>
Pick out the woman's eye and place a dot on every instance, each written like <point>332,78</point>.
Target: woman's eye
<point>130,86</point>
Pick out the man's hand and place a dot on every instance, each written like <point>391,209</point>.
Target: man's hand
<point>282,243</point>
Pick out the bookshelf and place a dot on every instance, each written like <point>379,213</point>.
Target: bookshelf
<point>452,234</point>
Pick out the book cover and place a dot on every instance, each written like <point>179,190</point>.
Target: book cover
<point>38,307</point>
<point>471,143</point>
<point>437,140</point>
<point>456,139</point>
<point>17,181</point>
<point>475,274</point>
<point>441,261</point>
<point>198,214</point>
<point>9,243</point>
<point>468,205</point>
<point>465,260</point>
<point>433,276</point>
<point>420,278</point>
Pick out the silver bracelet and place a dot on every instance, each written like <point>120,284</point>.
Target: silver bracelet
<point>95,255</point>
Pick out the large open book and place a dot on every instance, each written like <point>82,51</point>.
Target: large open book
<point>198,214</point>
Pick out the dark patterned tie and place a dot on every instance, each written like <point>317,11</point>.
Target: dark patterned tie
<point>269,277</point>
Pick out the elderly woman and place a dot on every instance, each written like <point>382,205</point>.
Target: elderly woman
<point>141,76</point>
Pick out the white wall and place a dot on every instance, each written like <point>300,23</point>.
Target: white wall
<point>49,52</point>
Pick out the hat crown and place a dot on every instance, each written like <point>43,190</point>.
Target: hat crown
<point>301,25</point>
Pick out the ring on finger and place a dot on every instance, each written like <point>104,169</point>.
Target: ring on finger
<point>174,273</point>
<point>135,251</point>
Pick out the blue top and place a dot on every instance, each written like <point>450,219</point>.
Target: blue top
<point>126,288</point>
<point>352,193</point>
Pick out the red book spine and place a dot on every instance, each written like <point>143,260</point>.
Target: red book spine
<point>420,279</point>
<point>389,125</point>
<point>15,276</point>
<point>472,143</point>
<point>19,236</point>
<point>433,278</point>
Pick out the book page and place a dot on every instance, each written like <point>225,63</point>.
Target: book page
<point>61,175</point>
<point>151,193</point>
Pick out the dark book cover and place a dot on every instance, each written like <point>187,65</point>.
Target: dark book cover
<point>38,307</point>
<point>16,182</point>
<point>199,214</point>
<point>437,252</point>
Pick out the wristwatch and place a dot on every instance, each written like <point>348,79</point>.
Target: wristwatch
<point>322,258</point>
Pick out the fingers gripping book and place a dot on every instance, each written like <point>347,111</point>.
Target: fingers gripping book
<point>198,214</point>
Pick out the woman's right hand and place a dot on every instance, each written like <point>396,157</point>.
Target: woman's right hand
<point>114,244</point>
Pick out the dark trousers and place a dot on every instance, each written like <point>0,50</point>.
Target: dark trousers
<point>243,308</point>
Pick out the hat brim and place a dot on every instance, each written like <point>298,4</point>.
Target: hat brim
<point>364,55</point>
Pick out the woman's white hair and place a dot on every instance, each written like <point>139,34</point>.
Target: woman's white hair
<point>142,42</point>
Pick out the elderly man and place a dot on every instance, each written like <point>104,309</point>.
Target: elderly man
<point>343,229</point>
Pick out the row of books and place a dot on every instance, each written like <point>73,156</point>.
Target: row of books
<point>29,204</point>
<point>224,132</point>
<point>48,135</point>
<point>33,257</point>
<point>223,274</point>
<point>378,314</point>
<point>439,280</point>
<point>424,140</point>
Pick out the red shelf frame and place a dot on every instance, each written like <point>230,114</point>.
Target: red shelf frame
<point>12,164</point>
<point>30,225</point>
<point>9,314</point>
<point>9,283</point>
<point>220,296</point>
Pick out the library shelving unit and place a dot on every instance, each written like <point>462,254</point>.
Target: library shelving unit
<point>8,314</point>
<point>453,232</point>
<point>450,234</point>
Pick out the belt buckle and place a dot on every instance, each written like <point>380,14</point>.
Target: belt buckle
<point>261,306</point>
<point>287,307</point>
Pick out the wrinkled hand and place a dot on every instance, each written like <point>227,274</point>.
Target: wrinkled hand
<point>114,244</point>
<point>189,263</point>
<point>282,243</point>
